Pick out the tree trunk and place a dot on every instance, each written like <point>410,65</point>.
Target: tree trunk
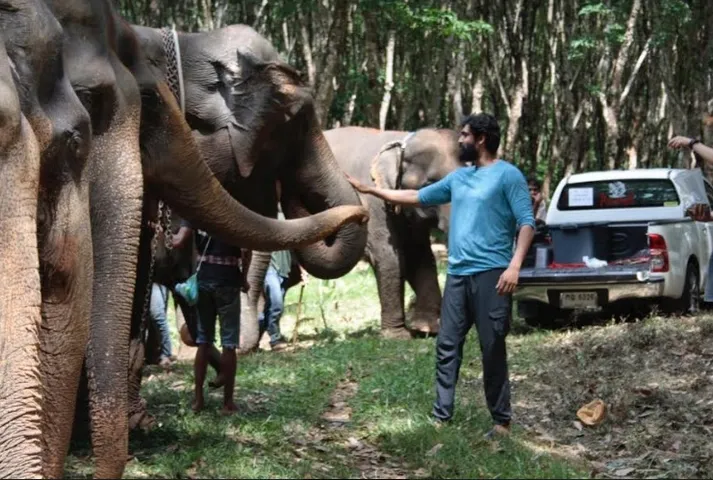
<point>455,86</point>
<point>389,80</point>
<point>336,45</point>
<point>478,92</point>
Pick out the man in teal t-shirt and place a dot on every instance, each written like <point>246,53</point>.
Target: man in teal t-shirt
<point>490,203</point>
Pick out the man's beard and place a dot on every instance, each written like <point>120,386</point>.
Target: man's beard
<point>468,154</point>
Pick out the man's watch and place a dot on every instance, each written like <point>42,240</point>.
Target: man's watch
<point>693,142</point>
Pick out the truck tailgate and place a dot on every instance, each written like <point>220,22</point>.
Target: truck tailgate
<point>584,275</point>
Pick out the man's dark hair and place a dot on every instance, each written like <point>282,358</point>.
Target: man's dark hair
<point>532,180</point>
<point>483,123</point>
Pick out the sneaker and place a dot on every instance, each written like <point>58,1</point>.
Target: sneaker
<point>281,345</point>
<point>497,431</point>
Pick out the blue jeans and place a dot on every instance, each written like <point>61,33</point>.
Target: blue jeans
<point>708,294</point>
<point>218,299</point>
<point>159,300</point>
<point>269,319</point>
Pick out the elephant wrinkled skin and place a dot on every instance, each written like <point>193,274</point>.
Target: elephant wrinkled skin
<point>399,246</point>
<point>20,381</point>
<point>33,38</point>
<point>112,140</point>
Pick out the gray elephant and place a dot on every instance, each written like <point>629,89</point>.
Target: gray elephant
<point>398,245</point>
<point>112,141</point>
<point>254,121</point>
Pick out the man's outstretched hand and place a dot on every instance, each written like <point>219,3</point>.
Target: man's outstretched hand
<point>360,187</point>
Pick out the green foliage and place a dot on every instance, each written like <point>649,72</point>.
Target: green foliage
<point>446,23</point>
<point>598,8</point>
<point>614,33</point>
<point>672,18</point>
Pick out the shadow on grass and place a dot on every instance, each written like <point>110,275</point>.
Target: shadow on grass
<point>282,397</point>
<point>329,335</point>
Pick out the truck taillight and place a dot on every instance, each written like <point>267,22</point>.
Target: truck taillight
<point>659,253</point>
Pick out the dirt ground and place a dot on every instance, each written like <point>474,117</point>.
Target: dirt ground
<point>656,379</point>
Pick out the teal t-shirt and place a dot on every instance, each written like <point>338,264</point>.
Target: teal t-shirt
<point>488,206</point>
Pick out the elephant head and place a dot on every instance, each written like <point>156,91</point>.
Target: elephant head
<point>255,123</point>
<point>416,160</point>
<point>20,381</point>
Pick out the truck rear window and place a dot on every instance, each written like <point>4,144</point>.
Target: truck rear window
<point>619,194</point>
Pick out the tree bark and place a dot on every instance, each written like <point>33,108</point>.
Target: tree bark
<point>389,80</point>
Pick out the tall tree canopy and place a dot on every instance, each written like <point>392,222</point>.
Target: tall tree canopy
<point>577,84</point>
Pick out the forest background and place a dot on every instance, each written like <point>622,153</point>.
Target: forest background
<point>577,85</point>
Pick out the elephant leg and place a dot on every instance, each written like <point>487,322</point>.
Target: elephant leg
<point>249,328</point>
<point>387,265</point>
<point>66,265</point>
<point>137,411</point>
<point>422,276</point>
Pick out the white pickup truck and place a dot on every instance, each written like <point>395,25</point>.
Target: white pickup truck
<point>618,240</point>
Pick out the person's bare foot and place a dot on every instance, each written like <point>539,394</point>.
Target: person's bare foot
<point>197,405</point>
<point>229,409</point>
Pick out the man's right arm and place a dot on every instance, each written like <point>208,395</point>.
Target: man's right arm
<point>397,197</point>
<point>436,194</point>
<point>703,151</point>
<point>699,212</point>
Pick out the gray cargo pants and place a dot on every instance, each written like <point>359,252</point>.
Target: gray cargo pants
<point>469,300</point>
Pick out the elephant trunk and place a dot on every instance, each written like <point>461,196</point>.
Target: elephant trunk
<point>116,202</point>
<point>249,328</point>
<point>318,184</point>
<point>20,378</point>
<point>176,173</point>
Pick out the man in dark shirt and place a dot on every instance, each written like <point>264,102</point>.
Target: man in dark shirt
<point>219,282</point>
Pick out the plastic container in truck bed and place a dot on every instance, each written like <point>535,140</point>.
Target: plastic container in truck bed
<point>572,242</point>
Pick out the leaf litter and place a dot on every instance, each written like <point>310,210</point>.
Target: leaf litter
<point>656,379</point>
<point>333,439</point>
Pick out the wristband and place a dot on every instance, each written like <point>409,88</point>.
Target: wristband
<point>693,142</point>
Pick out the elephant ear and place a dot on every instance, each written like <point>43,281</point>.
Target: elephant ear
<point>385,165</point>
<point>281,93</point>
<point>385,168</point>
<point>244,159</point>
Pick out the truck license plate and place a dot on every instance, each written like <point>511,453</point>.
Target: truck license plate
<point>578,299</point>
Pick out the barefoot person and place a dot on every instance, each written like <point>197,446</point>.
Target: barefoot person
<point>219,284</point>
<point>489,201</point>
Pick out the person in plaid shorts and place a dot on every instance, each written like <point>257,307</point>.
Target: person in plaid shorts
<point>219,282</point>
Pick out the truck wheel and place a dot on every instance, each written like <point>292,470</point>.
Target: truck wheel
<point>690,301</point>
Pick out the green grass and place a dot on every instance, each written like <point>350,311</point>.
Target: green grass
<point>279,431</point>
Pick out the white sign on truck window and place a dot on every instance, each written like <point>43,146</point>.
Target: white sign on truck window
<point>581,197</point>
